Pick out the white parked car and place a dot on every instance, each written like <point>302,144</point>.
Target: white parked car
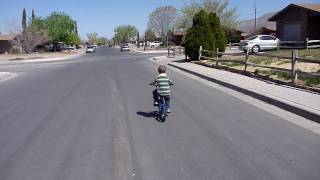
<point>155,44</point>
<point>259,43</point>
<point>69,47</point>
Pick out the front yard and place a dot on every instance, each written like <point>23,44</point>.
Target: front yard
<point>40,55</point>
<point>279,63</point>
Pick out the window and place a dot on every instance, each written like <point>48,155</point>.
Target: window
<point>252,38</point>
<point>266,38</point>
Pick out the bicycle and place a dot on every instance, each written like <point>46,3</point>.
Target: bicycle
<point>162,114</point>
<point>163,108</point>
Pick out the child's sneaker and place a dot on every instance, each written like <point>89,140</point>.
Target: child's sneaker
<point>155,103</point>
<point>168,111</point>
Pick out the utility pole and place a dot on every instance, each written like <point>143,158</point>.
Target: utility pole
<point>255,16</point>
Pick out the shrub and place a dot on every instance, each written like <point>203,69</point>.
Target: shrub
<point>216,28</point>
<point>199,34</point>
<point>232,35</point>
<point>14,50</point>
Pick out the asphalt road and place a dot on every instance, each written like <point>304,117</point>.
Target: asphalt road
<point>92,118</point>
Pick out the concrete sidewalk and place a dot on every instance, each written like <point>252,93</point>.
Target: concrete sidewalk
<point>147,51</point>
<point>303,103</point>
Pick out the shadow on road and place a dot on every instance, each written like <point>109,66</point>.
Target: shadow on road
<point>150,114</point>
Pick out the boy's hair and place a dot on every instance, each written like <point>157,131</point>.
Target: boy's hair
<point>162,69</point>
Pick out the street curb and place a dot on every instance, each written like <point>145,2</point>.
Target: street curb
<point>56,59</point>
<point>4,76</point>
<point>313,116</point>
<point>146,52</point>
<point>44,60</point>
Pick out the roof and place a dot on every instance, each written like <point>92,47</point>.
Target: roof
<point>314,7</point>
<point>271,28</point>
<point>310,7</point>
<point>7,37</point>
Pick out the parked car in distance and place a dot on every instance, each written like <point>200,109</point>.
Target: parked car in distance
<point>155,44</point>
<point>259,43</point>
<point>124,47</point>
<point>69,47</point>
<point>90,49</point>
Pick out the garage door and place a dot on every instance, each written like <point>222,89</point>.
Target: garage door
<point>292,32</point>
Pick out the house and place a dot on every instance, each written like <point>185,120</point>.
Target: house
<point>7,42</point>
<point>296,22</point>
<point>176,38</point>
<point>267,30</point>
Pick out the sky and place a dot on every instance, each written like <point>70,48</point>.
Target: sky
<point>102,16</point>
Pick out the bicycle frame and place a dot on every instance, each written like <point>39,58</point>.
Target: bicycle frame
<point>162,108</point>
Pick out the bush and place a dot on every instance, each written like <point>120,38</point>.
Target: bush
<point>199,34</point>
<point>216,28</point>
<point>14,50</point>
<point>232,35</point>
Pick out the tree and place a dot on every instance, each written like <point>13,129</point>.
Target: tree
<point>60,26</point>
<point>162,20</point>
<point>149,35</point>
<point>102,41</point>
<point>233,36</point>
<point>32,35</point>
<point>138,40</point>
<point>31,38</point>
<point>33,15</point>
<point>73,38</point>
<point>218,31</point>
<point>125,33</point>
<point>76,29</point>
<point>200,34</point>
<point>92,38</point>
<point>24,20</point>
<point>228,16</point>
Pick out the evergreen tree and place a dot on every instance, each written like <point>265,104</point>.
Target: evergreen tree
<point>216,28</point>
<point>33,15</point>
<point>76,28</point>
<point>24,20</point>
<point>199,34</point>
<point>138,40</point>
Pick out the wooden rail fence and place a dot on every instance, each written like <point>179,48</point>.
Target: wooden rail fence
<point>294,60</point>
<point>307,44</point>
<point>173,51</point>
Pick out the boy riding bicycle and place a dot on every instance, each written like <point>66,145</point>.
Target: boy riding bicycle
<point>162,83</point>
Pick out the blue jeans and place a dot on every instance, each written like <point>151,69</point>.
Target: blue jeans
<point>156,98</point>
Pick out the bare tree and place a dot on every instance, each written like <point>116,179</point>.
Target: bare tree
<point>27,39</point>
<point>31,38</point>
<point>162,20</point>
<point>12,26</point>
<point>92,37</point>
<point>149,35</point>
<point>227,15</point>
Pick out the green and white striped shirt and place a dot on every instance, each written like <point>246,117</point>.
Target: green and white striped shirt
<point>163,83</point>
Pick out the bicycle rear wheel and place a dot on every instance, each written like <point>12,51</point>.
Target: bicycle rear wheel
<point>162,113</point>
